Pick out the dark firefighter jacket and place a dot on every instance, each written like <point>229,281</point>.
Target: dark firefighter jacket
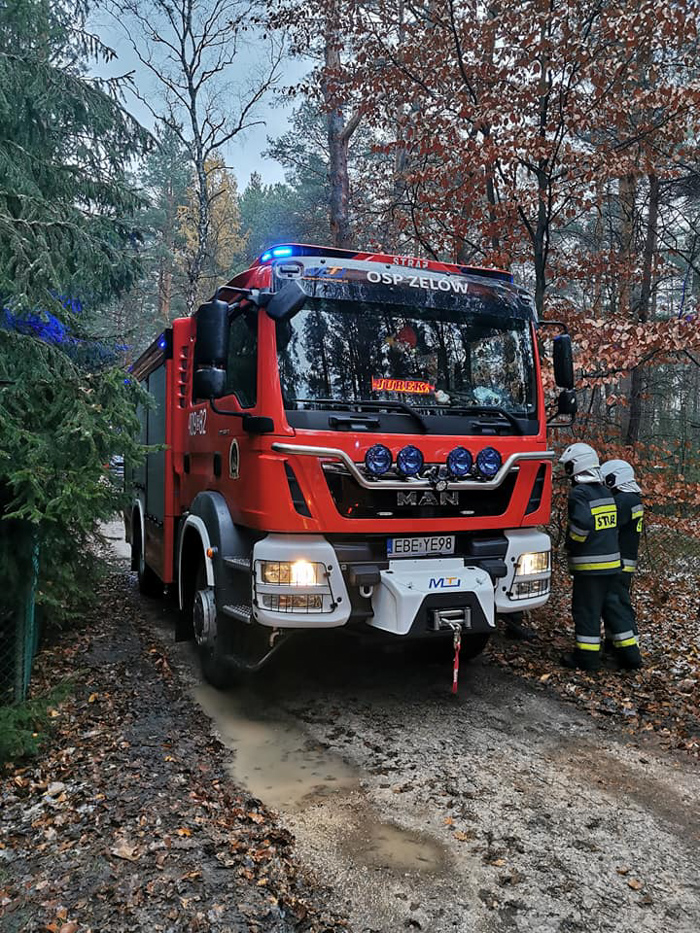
<point>629,520</point>
<point>591,537</point>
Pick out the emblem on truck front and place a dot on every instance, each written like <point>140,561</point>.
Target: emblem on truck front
<point>427,498</point>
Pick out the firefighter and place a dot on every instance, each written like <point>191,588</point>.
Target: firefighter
<point>594,556</point>
<point>618,476</point>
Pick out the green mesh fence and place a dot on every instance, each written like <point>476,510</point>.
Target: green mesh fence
<point>19,630</point>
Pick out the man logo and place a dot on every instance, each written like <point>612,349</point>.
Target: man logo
<point>233,460</point>
<point>443,583</point>
<point>427,498</point>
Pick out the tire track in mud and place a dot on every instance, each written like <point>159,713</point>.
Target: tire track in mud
<point>527,815</point>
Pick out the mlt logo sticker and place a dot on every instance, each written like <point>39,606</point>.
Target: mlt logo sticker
<point>443,583</point>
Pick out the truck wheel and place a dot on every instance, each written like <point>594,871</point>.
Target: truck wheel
<point>215,667</point>
<point>150,583</point>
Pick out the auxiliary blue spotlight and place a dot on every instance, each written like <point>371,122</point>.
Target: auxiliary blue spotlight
<point>378,459</point>
<point>409,461</point>
<point>459,462</point>
<point>488,462</point>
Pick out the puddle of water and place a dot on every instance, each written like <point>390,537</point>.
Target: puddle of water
<point>283,766</point>
<point>384,846</point>
<point>274,760</point>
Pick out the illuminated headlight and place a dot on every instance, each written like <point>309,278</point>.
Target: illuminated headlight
<point>488,462</point>
<point>528,589</point>
<point>409,461</point>
<point>535,562</point>
<point>293,586</point>
<point>285,573</point>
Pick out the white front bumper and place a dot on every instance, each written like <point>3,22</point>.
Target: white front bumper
<point>405,585</point>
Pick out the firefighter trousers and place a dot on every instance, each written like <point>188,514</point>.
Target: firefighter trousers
<point>591,592</point>
<point>620,621</point>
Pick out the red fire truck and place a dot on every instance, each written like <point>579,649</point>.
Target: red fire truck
<point>346,440</point>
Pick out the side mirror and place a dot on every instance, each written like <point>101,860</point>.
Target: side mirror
<point>563,362</point>
<point>209,382</point>
<point>286,302</point>
<point>566,403</point>
<point>211,349</point>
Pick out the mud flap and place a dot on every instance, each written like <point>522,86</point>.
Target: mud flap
<point>412,592</point>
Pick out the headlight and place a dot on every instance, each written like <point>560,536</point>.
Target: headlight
<point>293,586</point>
<point>286,573</point>
<point>409,461</point>
<point>534,562</point>
<point>488,462</point>
<point>378,459</point>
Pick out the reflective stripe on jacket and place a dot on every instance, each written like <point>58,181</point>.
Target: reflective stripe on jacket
<point>591,537</point>
<point>630,514</point>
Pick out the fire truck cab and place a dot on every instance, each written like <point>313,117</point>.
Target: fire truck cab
<point>346,440</point>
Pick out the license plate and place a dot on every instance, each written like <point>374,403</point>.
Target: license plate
<point>419,547</point>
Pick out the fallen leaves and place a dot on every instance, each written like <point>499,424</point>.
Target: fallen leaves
<point>169,830</point>
<point>664,697</point>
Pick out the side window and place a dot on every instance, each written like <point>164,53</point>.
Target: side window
<point>242,366</point>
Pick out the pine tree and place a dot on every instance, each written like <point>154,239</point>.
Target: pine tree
<point>65,142</point>
<point>67,243</point>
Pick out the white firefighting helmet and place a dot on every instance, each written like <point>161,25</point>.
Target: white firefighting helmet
<point>579,458</point>
<point>618,473</point>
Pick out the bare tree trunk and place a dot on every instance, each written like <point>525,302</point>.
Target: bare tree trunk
<point>339,133</point>
<point>642,310</point>
<point>165,269</point>
<point>628,203</point>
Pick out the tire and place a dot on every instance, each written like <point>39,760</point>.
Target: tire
<point>215,666</point>
<point>150,583</point>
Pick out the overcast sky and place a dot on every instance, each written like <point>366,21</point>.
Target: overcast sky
<point>243,154</point>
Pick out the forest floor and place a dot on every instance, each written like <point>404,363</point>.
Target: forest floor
<point>347,789</point>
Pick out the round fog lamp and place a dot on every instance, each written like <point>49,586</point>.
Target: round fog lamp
<point>488,462</point>
<point>459,461</point>
<point>409,461</point>
<point>378,459</point>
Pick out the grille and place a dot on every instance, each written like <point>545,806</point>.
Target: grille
<point>354,501</point>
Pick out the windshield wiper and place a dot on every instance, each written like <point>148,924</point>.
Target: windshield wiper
<point>494,410</point>
<point>371,404</point>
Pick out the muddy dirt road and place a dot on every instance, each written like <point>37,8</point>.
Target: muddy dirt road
<point>503,809</point>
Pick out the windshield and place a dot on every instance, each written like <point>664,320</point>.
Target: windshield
<point>436,360</point>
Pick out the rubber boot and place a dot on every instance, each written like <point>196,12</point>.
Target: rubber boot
<point>629,659</point>
<point>581,660</point>
<point>517,631</point>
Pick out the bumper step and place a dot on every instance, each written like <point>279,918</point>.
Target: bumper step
<point>242,613</point>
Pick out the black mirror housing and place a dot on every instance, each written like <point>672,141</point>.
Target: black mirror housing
<point>209,382</point>
<point>286,302</point>
<point>211,349</point>
<point>563,362</point>
<point>567,403</point>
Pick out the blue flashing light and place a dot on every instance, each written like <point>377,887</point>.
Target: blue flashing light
<point>409,461</point>
<point>279,251</point>
<point>162,343</point>
<point>266,256</point>
<point>488,462</point>
<point>459,462</point>
<point>378,459</point>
